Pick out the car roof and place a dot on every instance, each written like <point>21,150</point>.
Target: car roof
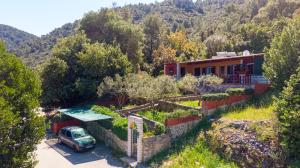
<point>72,128</point>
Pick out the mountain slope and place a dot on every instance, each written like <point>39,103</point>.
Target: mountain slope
<point>18,41</point>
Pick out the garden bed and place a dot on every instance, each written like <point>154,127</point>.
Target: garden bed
<point>190,103</point>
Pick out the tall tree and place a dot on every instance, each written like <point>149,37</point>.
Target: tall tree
<point>53,81</point>
<point>282,59</point>
<point>216,43</point>
<point>153,29</point>
<point>106,26</point>
<point>288,112</point>
<point>21,128</point>
<point>79,67</point>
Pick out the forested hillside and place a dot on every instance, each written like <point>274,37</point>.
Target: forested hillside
<point>217,25</point>
<point>33,49</point>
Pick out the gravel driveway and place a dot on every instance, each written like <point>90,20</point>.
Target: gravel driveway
<point>53,155</point>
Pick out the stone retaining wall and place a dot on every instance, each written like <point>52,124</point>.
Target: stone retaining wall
<point>106,136</point>
<point>178,130</point>
<point>155,144</point>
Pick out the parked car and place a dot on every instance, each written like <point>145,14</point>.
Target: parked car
<point>76,138</point>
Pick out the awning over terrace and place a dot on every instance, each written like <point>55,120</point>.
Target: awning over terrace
<point>84,114</point>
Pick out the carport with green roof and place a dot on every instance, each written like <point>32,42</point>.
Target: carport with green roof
<point>84,114</point>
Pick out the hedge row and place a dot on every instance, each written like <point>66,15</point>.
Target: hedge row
<point>214,96</point>
<point>181,113</point>
<point>239,91</point>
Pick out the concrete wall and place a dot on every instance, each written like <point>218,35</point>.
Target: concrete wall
<point>106,136</point>
<point>155,144</point>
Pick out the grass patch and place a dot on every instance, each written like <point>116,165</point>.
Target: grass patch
<point>128,106</point>
<point>259,108</point>
<point>158,116</point>
<point>161,116</point>
<point>194,103</point>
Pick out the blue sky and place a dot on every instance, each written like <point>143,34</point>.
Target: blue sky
<point>39,17</point>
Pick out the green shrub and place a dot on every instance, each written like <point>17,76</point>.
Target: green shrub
<point>210,80</point>
<point>159,129</point>
<point>288,112</point>
<point>214,96</point>
<point>120,128</point>
<point>235,91</point>
<point>240,91</point>
<point>249,91</point>
<point>119,124</point>
<point>158,116</point>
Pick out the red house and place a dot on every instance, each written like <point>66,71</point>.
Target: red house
<point>233,69</point>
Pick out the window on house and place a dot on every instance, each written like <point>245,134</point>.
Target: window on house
<point>182,71</point>
<point>230,69</point>
<point>210,70</point>
<point>203,71</point>
<point>213,70</point>
<point>222,70</point>
<point>250,68</point>
<point>197,72</point>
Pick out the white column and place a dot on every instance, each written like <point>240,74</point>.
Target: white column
<point>139,123</point>
<point>129,140</point>
<point>140,141</point>
<point>178,71</point>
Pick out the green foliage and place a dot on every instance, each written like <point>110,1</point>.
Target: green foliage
<point>120,128</point>
<point>187,84</point>
<point>209,80</point>
<point>158,116</point>
<point>106,26</point>
<point>214,96</point>
<point>194,103</point>
<point>153,30</point>
<point>257,109</point>
<point>119,123</point>
<point>53,76</point>
<point>115,87</point>
<point>287,109</point>
<point>21,128</point>
<point>239,91</point>
<point>159,129</point>
<point>216,43</point>
<point>235,91</point>
<point>77,69</point>
<point>181,113</point>
<point>143,86</point>
<point>282,59</point>
<point>275,9</point>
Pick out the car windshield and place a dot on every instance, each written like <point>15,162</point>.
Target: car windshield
<point>78,133</point>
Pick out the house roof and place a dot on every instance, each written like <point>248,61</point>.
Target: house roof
<point>216,58</point>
